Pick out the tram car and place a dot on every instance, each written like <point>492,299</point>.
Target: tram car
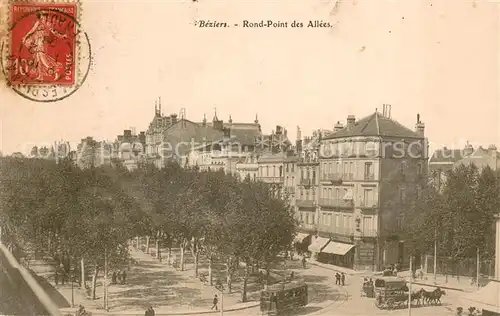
<point>283,298</point>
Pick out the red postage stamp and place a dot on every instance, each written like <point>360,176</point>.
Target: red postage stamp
<point>43,43</point>
<point>43,59</point>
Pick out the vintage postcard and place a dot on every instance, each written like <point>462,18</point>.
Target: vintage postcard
<point>266,157</point>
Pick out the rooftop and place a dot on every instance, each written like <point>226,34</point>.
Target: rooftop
<point>375,124</point>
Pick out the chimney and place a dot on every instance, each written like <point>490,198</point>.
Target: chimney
<point>298,142</point>
<point>338,126</point>
<point>278,129</point>
<point>351,120</point>
<point>204,120</point>
<point>419,126</point>
<point>386,110</point>
<point>492,149</point>
<point>285,131</point>
<point>173,118</point>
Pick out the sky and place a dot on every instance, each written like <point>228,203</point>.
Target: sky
<point>439,58</point>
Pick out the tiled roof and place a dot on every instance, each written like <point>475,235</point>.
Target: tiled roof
<point>446,155</point>
<point>375,125</point>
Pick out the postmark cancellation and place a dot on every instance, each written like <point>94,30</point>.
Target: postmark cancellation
<point>45,53</point>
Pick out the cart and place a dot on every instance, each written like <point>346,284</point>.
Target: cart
<point>390,292</point>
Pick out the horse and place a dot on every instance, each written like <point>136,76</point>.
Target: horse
<point>432,297</point>
<point>417,296</point>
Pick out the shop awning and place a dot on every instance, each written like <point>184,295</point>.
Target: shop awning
<point>487,298</point>
<point>300,237</point>
<point>318,244</point>
<point>337,248</point>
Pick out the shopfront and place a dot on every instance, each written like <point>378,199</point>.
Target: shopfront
<point>317,245</point>
<point>339,254</point>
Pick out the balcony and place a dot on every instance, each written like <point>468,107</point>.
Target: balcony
<point>289,190</point>
<point>369,232</point>
<point>305,203</point>
<point>333,177</point>
<point>367,204</point>
<point>348,177</point>
<point>307,226</point>
<point>336,230</point>
<point>336,203</point>
<point>369,177</point>
<point>271,179</point>
<point>306,182</point>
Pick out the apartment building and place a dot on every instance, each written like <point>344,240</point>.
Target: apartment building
<point>369,170</point>
<point>444,160</point>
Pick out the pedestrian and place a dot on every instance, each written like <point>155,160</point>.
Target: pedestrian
<point>56,277</point>
<point>395,271</point>
<point>343,278</point>
<point>261,276</point>
<point>124,276</point>
<point>149,312</point>
<point>215,301</point>
<point>460,311</point>
<point>291,275</point>
<point>63,275</point>
<point>304,262</point>
<point>113,278</point>
<point>337,278</point>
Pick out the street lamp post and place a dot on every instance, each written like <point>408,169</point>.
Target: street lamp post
<point>72,276</point>
<point>409,286</point>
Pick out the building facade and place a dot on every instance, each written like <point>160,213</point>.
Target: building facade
<point>369,170</point>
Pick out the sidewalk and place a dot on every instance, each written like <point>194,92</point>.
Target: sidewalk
<point>149,283</point>
<point>462,284</point>
<point>332,267</point>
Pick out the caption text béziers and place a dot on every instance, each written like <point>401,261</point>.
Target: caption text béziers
<point>264,24</point>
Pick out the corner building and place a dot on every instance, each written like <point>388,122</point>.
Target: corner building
<point>370,172</point>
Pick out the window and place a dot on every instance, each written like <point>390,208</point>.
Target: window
<point>274,171</point>
<point>293,181</point>
<point>351,167</point>
<point>337,193</point>
<point>307,194</point>
<point>324,193</point>
<point>314,176</point>
<point>281,171</point>
<point>301,173</point>
<point>293,167</point>
<point>286,168</point>
<point>419,169</point>
<point>267,171</point>
<point>402,195</point>
<point>402,168</point>
<point>345,168</point>
<point>329,193</point>
<point>308,174</point>
<point>367,198</point>
<point>301,216</point>
<point>368,169</point>
<point>418,191</point>
<point>330,167</point>
<point>301,193</point>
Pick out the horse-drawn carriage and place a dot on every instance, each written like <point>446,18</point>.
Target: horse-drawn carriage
<point>390,292</point>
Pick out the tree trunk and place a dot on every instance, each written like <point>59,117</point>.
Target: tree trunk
<point>94,281</point>
<point>183,248</point>
<point>147,244</point>
<point>158,251</point>
<point>210,263</point>
<point>245,282</point>
<point>195,252</point>
<point>229,278</point>
<point>267,276</point>
<point>82,268</point>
